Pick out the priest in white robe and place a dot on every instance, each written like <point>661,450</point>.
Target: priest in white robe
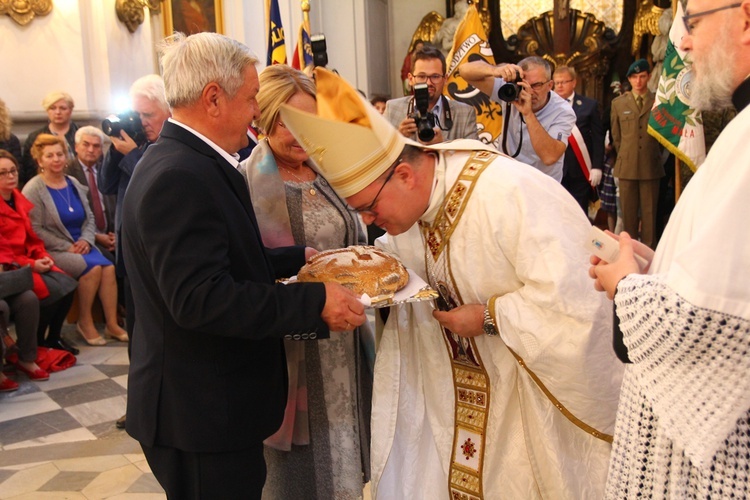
<point>683,424</point>
<point>511,391</point>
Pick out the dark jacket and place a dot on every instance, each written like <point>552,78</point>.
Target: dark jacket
<point>589,122</point>
<point>207,372</point>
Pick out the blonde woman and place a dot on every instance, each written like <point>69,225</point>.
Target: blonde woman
<point>59,107</point>
<point>63,220</point>
<point>322,448</point>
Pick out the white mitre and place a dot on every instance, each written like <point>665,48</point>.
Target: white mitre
<point>349,142</point>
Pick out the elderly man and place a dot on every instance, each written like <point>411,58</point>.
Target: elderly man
<point>582,167</point>
<point>207,381</point>
<point>86,168</point>
<point>510,390</point>
<point>453,119</point>
<point>148,100</point>
<point>539,128</point>
<point>683,424</point>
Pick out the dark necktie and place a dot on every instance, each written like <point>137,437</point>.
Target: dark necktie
<point>101,223</point>
<point>639,102</point>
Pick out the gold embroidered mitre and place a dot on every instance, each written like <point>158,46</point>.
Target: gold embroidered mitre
<point>349,141</point>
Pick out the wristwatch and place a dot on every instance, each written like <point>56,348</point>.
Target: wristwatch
<point>489,325</point>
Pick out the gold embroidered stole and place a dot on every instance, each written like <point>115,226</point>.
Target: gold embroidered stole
<point>470,381</point>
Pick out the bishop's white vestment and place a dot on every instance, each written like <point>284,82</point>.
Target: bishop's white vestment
<point>683,425</point>
<point>523,415</point>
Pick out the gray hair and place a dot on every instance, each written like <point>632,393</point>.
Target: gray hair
<point>152,88</point>
<point>189,63</point>
<point>88,130</point>
<point>528,62</point>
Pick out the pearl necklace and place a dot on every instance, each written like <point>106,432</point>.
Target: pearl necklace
<point>290,172</point>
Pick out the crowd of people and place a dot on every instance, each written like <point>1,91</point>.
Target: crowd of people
<point>521,380</point>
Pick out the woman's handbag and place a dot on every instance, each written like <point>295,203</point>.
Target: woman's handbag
<point>58,284</point>
<point>15,282</point>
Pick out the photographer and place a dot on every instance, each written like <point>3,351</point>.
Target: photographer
<point>147,96</point>
<point>441,119</point>
<point>150,103</point>
<point>543,121</point>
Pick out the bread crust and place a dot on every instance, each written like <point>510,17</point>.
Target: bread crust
<point>360,268</point>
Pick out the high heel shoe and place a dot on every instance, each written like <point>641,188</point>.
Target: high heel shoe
<point>94,342</point>
<point>123,337</point>
<point>37,374</point>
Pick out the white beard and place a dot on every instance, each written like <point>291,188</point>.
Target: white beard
<point>712,88</point>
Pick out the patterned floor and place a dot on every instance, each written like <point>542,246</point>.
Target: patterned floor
<point>58,439</point>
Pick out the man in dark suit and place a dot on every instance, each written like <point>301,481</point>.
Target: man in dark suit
<point>207,381</point>
<point>86,168</point>
<point>582,168</point>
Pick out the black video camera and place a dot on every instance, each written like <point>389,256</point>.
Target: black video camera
<point>318,47</point>
<point>510,90</point>
<point>424,120</point>
<point>130,122</point>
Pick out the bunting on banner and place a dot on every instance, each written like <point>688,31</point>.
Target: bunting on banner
<point>303,57</point>
<point>673,122</point>
<point>275,43</point>
<point>470,44</point>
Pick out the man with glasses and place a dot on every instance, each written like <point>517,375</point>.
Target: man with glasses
<point>582,166</point>
<point>510,389</point>
<point>639,165</point>
<point>541,121</point>
<point>453,119</point>
<point>683,424</point>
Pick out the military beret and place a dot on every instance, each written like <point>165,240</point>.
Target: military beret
<point>637,67</point>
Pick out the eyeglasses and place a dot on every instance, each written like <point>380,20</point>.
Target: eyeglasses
<point>6,173</point>
<point>686,18</point>
<point>538,85</point>
<point>368,209</point>
<point>421,78</point>
<point>562,82</point>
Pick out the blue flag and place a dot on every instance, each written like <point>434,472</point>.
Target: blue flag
<point>276,45</point>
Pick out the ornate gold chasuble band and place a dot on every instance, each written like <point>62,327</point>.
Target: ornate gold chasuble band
<point>470,381</point>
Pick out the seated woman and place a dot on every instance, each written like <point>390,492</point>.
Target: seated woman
<point>63,219</point>
<point>322,448</point>
<point>19,245</point>
<point>23,308</point>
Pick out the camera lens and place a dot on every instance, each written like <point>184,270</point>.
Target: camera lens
<point>509,92</point>
<point>111,127</point>
<point>424,131</point>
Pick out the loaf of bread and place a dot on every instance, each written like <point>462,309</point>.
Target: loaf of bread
<point>362,269</point>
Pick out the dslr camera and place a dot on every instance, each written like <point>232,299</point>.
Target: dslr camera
<point>510,90</point>
<point>130,122</point>
<point>424,120</point>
